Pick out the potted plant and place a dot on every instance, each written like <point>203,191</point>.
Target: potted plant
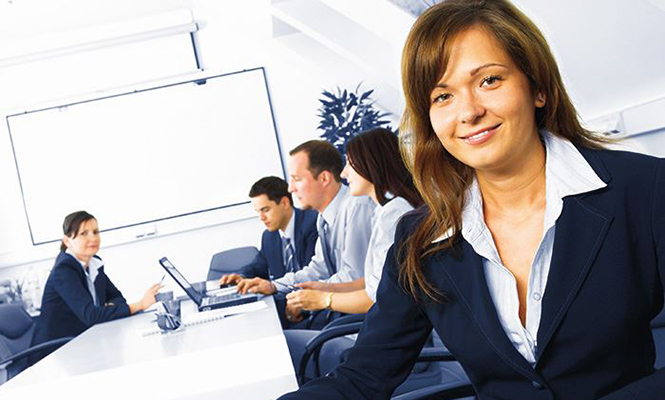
<point>346,113</point>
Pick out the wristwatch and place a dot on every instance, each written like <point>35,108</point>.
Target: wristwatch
<point>329,300</point>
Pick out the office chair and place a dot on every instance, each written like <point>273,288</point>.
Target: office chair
<point>230,261</point>
<point>430,378</point>
<point>321,318</point>
<point>16,332</point>
<point>658,329</point>
<point>332,336</point>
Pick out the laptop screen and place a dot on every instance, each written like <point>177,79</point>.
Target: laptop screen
<point>175,274</point>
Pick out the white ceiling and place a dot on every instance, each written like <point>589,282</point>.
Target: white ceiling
<point>611,53</point>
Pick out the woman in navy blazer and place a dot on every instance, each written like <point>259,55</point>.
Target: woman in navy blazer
<point>540,256</point>
<point>68,306</point>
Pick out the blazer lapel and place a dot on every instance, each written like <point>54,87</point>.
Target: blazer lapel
<point>468,278</point>
<point>100,287</point>
<point>580,231</point>
<point>276,260</point>
<point>297,237</point>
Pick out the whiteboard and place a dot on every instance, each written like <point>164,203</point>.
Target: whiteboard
<point>144,156</point>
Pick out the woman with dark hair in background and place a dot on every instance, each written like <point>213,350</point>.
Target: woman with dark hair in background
<point>374,168</point>
<point>540,256</point>
<point>78,294</point>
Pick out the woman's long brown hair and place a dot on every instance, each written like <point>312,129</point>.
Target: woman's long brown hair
<point>440,178</point>
<point>375,155</point>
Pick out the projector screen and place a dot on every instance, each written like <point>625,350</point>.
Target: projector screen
<point>145,156</point>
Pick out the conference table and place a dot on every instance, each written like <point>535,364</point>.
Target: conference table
<point>241,356</point>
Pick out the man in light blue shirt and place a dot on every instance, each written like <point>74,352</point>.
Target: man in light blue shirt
<point>344,223</point>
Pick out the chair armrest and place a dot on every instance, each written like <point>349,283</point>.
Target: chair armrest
<point>317,342</point>
<point>345,319</point>
<point>427,354</point>
<point>434,354</point>
<point>31,350</point>
<point>312,316</point>
<point>331,333</point>
<point>329,317</point>
<point>441,391</point>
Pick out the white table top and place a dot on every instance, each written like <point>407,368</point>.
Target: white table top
<point>241,356</point>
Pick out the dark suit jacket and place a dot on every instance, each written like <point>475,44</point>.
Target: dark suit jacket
<point>604,287</point>
<point>270,260</point>
<point>67,307</point>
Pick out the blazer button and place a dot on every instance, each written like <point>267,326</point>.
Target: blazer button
<point>537,385</point>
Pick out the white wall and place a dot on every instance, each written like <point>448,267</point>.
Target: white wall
<point>239,34</point>
<point>652,143</point>
<point>232,36</point>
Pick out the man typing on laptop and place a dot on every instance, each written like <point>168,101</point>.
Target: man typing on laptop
<point>344,223</point>
<point>288,242</point>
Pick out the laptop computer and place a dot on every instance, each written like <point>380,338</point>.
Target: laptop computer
<point>203,301</point>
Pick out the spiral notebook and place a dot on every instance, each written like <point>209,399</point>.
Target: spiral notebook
<point>204,317</point>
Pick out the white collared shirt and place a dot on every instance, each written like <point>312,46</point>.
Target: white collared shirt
<point>290,230</point>
<point>92,271</point>
<point>288,234</point>
<point>567,173</point>
<point>349,221</point>
<point>384,224</point>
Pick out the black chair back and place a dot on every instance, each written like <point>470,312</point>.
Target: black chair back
<point>230,261</point>
<point>16,332</point>
<point>658,329</point>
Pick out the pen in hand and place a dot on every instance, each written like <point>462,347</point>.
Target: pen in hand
<point>290,287</point>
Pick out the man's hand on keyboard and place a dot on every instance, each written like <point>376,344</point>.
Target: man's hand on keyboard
<point>230,279</point>
<point>256,285</point>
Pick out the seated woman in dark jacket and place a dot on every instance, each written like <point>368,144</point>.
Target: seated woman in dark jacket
<point>78,294</point>
<point>539,258</point>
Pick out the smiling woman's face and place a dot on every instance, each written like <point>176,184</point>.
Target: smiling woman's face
<point>483,108</point>
<point>86,242</point>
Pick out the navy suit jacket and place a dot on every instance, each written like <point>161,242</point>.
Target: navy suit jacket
<point>67,307</point>
<point>270,260</point>
<point>594,342</point>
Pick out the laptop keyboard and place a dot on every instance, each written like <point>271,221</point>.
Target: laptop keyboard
<point>224,297</point>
